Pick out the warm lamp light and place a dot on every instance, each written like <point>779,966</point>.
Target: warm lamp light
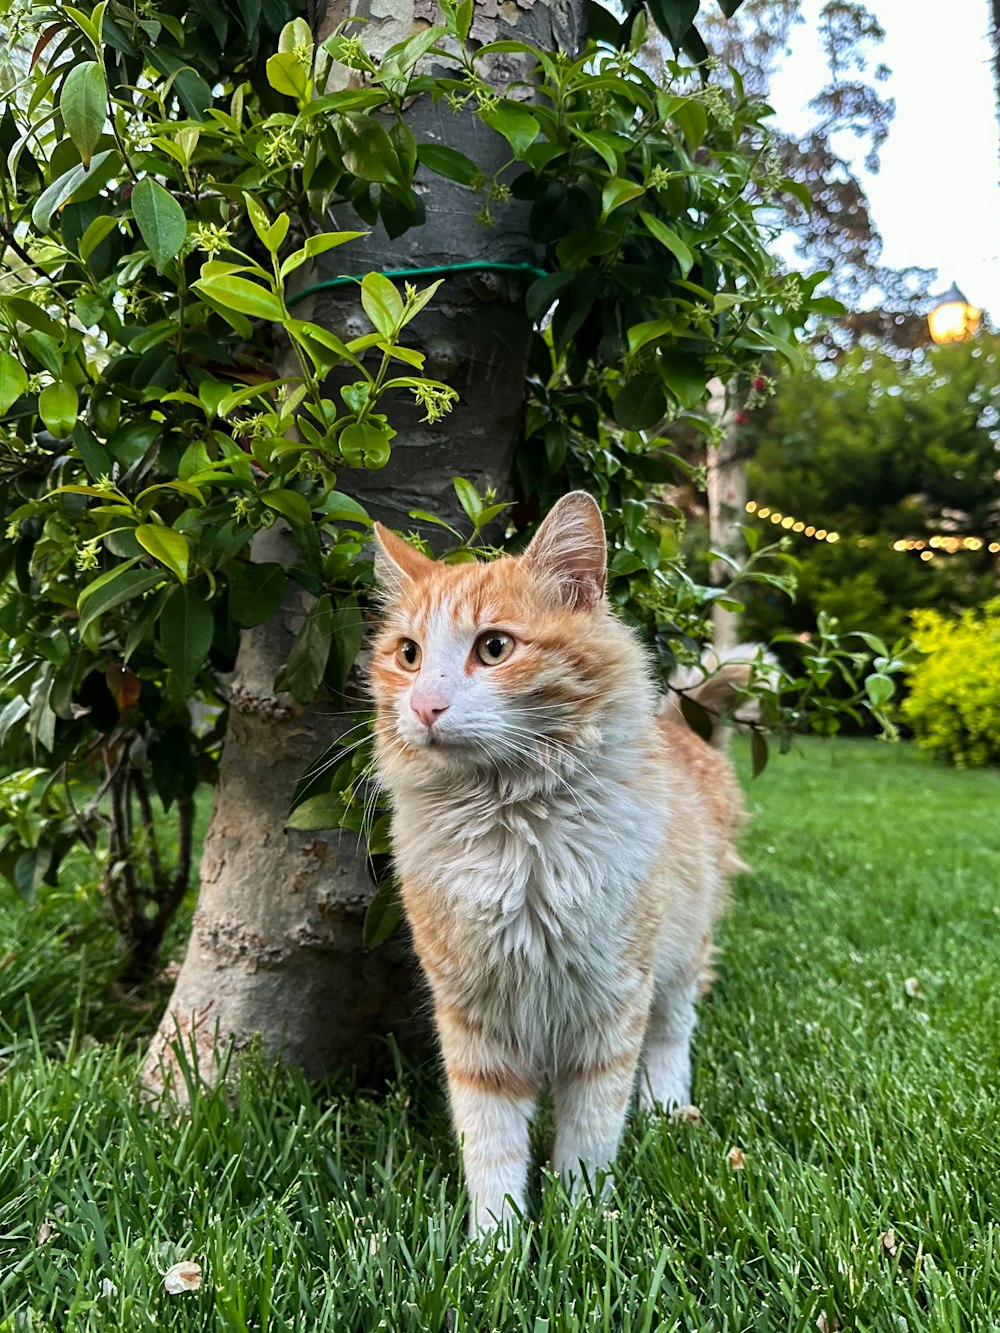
<point>953,320</point>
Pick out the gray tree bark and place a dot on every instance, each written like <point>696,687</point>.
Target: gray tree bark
<point>276,949</point>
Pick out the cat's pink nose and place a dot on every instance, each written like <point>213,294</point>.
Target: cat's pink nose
<point>429,705</point>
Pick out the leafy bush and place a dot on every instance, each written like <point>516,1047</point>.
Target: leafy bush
<point>954,701</point>
<point>167,188</point>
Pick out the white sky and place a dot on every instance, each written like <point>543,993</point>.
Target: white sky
<point>936,199</point>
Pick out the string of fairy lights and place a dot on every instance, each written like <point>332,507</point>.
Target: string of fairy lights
<point>940,543</point>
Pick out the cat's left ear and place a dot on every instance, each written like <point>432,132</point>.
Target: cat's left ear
<point>572,548</point>
<point>397,562</point>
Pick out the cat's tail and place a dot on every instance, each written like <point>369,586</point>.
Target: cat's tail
<point>717,683</point>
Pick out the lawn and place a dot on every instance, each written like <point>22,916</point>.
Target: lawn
<point>844,1171</point>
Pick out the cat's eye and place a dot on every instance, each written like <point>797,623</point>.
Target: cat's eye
<point>492,648</point>
<point>408,655</point>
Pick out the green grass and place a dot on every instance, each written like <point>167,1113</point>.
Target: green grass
<point>859,1106</point>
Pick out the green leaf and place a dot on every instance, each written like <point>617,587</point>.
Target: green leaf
<point>403,56</point>
<point>541,294</point>
<point>59,407</point>
<point>617,192</point>
<point>673,18</point>
<point>800,191</point>
<point>641,403</point>
<point>438,157</point>
<point>123,585</point>
<point>653,330</point>
<point>144,621</point>
<point>366,444</point>
<point>83,104</point>
<point>13,381</point>
<point>382,303</point>
<point>274,237</point>
<point>347,632</point>
<point>604,146</point>
<point>668,238</point>
<point>256,592</point>
<point>99,230</point>
<point>693,45</point>
<point>685,376</point>
<point>166,545</point>
<point>872,641</point>
<point>247,298</point>
<point>758,753</point>
<point>463,18</point>
<point>186,628</point>
<point>367,150</point>
<point>317,812</point>
<point>416,303</point>
<point>317,245</point>
<point>230,401</point>
<point>625,562</point>
<point>43,349</point>
<point>32,865</point>
<point>193,91</point>
<point>697,717</point>
<point>85,23</point>
<point>879,688</point>
<point>291,505</point>
<point>303,673</point>
<point>517,125</point>
<point>380,838</point>
<point>324,348</point>
<point>468,498</point>
<point>826,305</point>
<point>96,458</point>
<point>78,180</point>
<point>409,355</point>
<point>340,507</point>
<point>160,219</point>
<point>692,119</point>
<point>384,914</point>
<point>288,75</point>
<point>296,35</point>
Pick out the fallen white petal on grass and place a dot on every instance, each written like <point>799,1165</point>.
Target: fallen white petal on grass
<point>735,1158</point>
<point>888,1241</point>
<point>182,1277</point>
<point>913,988</point>
<point>108,1289</point>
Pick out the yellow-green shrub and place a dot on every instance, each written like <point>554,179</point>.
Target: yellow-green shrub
<point>954,701</point>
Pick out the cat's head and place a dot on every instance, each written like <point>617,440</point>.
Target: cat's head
<point>497,664</point>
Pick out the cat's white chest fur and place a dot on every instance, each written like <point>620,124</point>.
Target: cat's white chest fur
<point>539,890</point>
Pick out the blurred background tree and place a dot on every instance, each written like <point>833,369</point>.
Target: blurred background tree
<point>886,454</point>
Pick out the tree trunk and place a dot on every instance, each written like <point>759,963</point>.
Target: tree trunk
<point>276,948</point>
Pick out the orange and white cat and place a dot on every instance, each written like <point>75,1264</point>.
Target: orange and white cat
<point>563,850</point>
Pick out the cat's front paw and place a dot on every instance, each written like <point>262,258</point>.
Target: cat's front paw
<point>582,1183</point>
<point>499,1221</point>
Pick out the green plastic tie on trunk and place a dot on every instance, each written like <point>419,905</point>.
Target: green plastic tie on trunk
<point>436,270</point>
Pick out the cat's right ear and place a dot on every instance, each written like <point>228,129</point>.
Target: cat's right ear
<point>571,549</point>
<point>397,563</point>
